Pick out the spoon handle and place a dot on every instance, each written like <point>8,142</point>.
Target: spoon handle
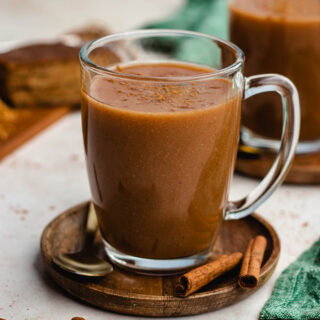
<point>91,225</point>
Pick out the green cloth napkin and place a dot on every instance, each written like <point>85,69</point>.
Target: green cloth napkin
<point>296,294</point>
<point>206,16</point>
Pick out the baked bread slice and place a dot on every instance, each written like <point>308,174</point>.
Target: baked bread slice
<point>43,74</point>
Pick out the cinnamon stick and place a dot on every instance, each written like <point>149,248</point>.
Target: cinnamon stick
<point>251,264</point>
<point>199,277</point>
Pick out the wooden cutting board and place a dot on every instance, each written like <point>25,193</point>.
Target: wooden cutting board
<point>125,292</point>
<point>28,124</point>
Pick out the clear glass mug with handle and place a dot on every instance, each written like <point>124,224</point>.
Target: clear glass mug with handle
<point>279,36</point>
<point>161,121</point>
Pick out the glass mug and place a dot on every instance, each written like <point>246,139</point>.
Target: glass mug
<point>279,36</point>
<point>161,127</point>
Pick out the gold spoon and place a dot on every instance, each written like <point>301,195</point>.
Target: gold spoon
<point>84,262</point>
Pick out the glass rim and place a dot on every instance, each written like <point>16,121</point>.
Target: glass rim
<point>91,45</point>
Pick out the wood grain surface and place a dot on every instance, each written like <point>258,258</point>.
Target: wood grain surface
<point>304,170</point>
<point>129,293</point>
<point>33,122</point>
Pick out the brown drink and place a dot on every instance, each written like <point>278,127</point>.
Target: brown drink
<point>160,158</point>
<point>280,36</point>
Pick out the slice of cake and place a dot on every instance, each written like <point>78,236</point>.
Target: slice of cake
<point>43,74</point>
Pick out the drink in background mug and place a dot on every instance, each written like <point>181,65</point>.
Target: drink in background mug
<point>280,36</point>
<point>161,129</point>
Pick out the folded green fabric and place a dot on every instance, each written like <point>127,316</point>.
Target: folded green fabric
<point>296,294</point>
<point>206,16</point>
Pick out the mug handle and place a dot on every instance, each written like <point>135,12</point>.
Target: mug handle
<point>289,139</point>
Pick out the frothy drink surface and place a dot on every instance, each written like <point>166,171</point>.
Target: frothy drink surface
<point>160,157</point>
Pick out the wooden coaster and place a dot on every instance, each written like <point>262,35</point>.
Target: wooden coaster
<point>305,169</point>
<point>129,293</point>
<point>33,121</point>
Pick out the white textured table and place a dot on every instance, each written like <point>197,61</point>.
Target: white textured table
<point>47,175</point>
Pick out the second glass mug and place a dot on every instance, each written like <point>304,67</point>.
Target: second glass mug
<point>161,117</point>
<point>279,36</point>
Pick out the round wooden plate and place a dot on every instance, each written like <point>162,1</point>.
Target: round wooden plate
<point>130,293</point>
<point>304,170</point>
